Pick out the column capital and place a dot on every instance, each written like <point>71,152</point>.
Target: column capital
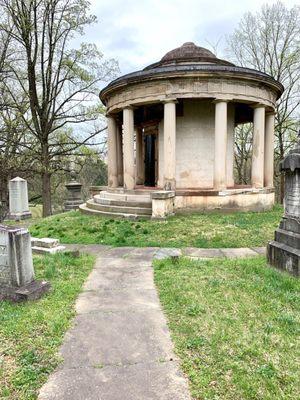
<point>258,105</point>
<point>129,107</point>
<point>215,101</point>
<point>272,112</point>
<point>170,100</point>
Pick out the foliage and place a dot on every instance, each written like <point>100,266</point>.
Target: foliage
<point>197,230</point>
<point>31,333</point>
<point>235,325</point>
<point>52,88</point>
<point>269,41</point>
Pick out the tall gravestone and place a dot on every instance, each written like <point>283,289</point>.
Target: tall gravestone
<point>18,199</point>
<point>17,281</point>
<point>284,251</point>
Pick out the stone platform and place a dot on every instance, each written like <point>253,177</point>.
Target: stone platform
<point>156,203</point>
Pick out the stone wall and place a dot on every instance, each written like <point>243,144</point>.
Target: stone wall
<point>195,145</point>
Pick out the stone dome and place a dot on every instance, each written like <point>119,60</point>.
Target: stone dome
<point>189,53</point>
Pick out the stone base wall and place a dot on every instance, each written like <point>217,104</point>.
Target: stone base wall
<point>250,201</point>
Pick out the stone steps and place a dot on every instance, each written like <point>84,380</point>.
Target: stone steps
<point>118,208</point>
<point>87,210</point>
<point>123,203</point>
<point>120,203</point>
<point>128,197</point>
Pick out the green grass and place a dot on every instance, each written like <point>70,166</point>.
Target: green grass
<point>196,230</point>
<point>235,325</point>
<point>30,333</point>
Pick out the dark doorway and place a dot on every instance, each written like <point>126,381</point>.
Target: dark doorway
<point>150,143</point>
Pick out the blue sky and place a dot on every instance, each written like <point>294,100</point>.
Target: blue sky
<point>139,32</point>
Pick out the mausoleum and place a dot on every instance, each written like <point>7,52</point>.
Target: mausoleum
<point>171,136</point>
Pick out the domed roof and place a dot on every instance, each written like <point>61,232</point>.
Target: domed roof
<point>189,53</point>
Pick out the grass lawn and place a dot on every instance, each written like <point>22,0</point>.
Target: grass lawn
<point>30,333</point>
<point>195,230</point>
<point>235,325</point>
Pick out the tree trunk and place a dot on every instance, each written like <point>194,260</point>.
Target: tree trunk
<point>46,194</point>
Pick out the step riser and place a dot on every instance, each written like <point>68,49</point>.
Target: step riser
<point>115,209</point>
<point>90,211</point>
<point>124,197</point>
<point>120,203</point>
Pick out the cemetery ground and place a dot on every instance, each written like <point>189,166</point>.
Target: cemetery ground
<point>204,230</point>
<point>235,326</point>
<point>234,322</point>
<point>31,332</point>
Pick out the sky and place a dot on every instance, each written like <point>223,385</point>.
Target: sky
<point>139,32</point>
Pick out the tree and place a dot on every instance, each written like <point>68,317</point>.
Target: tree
<point>270,42</point>
<point>59,86</point>
<point>243,153</point>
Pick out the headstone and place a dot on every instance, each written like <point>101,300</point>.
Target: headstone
<point>17,281</point>
<point>74,199</point>
<point>284,251</point>
<point>18,199</point>
<point>46,246</point>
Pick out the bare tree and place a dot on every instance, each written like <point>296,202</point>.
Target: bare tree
<point>243,153</point>
<point>270,42</point>
<point>59,85</point>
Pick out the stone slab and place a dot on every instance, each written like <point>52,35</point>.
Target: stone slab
<point>119,251</point>
<point>259,250</point>
<point>45,250</point>
<point>284,257</point>
<point>163,253</point>
<point>44,242</point>
<point>202,253</point>
<point>145,381</point>
<point>117,300</point>
<point>32,291</point>
<point>117,338</point>
<point>237,253</point>
<point>133,276</point>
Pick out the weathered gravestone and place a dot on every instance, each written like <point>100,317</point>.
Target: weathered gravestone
<point>284,251</point>
<point>18,199</point>
<point>17,280</point>
<point>74,199</point>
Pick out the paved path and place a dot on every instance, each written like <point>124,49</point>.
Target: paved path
<point>119,347</point>
<point>192,252</point>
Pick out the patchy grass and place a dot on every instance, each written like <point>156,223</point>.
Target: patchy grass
<point>196,230</point>
<point>30,333</point>
<point>235,325</point>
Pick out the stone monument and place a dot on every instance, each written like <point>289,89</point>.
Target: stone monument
<point>74,199</point>
<point>17,281</point>
<point>284,251</point>
<point>18,199</point>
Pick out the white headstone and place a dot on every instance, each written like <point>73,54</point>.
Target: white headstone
<point>18,199</point>
<point>16,266</point>
<point>17,281</point>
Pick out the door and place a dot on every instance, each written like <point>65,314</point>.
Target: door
<point>150,152</point>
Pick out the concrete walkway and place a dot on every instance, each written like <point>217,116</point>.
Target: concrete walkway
<point>119,347</point>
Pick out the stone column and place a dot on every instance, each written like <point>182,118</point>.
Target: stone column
<point>257,171</point>
<point>139,157</point>
<point>269,150</point>
<point>120,155</point>
<point>128,148</point>
<point>112,152</point>
<point>170,145</point>
<point>220,144</point>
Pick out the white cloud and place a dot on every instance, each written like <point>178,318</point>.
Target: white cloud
<point>138,33</point>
